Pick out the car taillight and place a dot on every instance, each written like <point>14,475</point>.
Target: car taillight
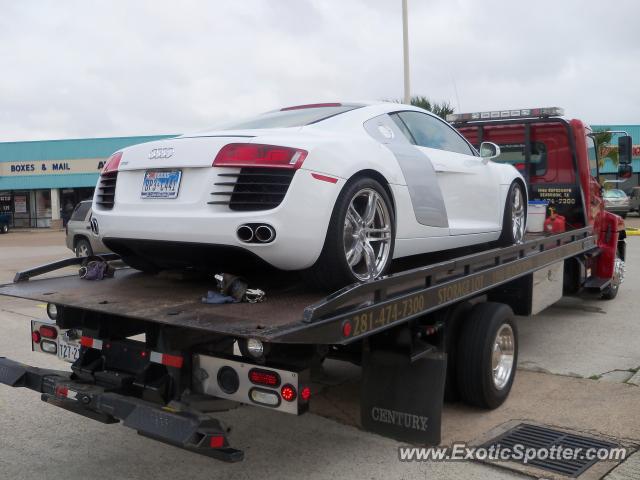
<point>258,155</point>
<point>288,393</point>
<point>113,163</point>
<point>48,332</point>
<point>35,337</point>
<point>264,377</point>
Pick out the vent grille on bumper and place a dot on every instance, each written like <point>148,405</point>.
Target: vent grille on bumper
<point>254,188</point>
<point>106,191</point>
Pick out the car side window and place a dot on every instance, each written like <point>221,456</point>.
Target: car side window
<point>431,132</point>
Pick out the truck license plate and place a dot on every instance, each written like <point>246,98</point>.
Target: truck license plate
<point>161,183</point>
<point>68,352</point>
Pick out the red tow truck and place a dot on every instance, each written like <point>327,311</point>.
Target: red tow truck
<point>145,351</point>
<point>559,159</point>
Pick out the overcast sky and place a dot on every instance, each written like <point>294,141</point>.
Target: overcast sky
<point>105,68</point>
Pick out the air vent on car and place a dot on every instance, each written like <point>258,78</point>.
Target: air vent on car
<point>254,188</point>
<point>106,192</point>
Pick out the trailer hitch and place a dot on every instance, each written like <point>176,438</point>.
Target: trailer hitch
<point>184,429</point>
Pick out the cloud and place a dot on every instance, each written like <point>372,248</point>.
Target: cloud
<point>102,68</point>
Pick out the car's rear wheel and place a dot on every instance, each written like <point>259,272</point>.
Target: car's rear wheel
<point>515,215</point>
<point>4,229</point>
<point>83,248</point>
<point>360,239</point>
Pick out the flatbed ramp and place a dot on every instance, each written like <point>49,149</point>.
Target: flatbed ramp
<point>292,314</point>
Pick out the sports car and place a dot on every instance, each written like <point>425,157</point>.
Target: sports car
<point>336,190</point>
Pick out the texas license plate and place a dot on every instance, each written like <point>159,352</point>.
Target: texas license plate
<point>161,183</point>
<point>69,352</point>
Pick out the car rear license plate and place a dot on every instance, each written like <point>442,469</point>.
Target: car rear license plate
<point>161,183</point>
<point>69,352</point>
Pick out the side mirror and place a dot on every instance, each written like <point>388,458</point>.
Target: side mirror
<point>489,150</point>
<point>625,150</point>
<point>625,170</point>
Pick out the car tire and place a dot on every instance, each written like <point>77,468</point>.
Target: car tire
<point>83,248</point>
<point>4,229</point>
<point>515,216</point>
<point>360,238</point>
<point>488,328</point>
<point>141,264</point>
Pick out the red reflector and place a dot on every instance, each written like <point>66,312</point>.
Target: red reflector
<point>258,155</point>
<point>35,337</point>
<point>62,391</point>
<point>172,360</point>
<point>324,178</point>
<point>305,394</point>
<point>86,342</point>
<point>113,163</point>
<point>216,442</point>
<point>519,166</point>
<point>288,393</point>
<point>48,332</point>
<point>143,353</point>
<point>310,105</point>
<point>346,329</point>
<point>264,377</point>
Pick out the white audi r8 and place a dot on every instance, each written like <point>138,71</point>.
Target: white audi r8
<point>336,189</point>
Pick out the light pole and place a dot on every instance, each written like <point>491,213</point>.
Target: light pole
<point>405,51</point>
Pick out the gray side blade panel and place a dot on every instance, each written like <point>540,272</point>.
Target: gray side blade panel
<point>426,197</point>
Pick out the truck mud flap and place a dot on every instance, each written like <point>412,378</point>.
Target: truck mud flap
<point>401,398</point>
<point>188,430</point>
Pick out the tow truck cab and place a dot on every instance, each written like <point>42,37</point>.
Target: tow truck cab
<point>559,159</point>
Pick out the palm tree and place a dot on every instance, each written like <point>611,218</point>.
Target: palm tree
<point>441,109</point>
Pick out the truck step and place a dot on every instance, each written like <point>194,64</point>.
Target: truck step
<point>597,284</point>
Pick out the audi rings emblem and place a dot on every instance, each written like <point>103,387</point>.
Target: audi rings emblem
<point>161,153</point>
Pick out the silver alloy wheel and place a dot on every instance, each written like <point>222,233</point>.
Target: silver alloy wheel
<point>518,221</point>
<point>502,356</point>
<point>82,250</point>
<point>367,234</point>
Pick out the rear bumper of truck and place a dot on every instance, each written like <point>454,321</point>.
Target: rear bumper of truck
<point>184,429</point>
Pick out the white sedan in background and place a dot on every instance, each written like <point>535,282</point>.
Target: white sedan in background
<point>337,190</point>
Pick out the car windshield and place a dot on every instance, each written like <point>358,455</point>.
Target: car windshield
<point>293,117</point>
<point>614,193</point>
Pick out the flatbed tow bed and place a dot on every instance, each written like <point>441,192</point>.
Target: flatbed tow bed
<point>292,314</point>
<point>112,387</point>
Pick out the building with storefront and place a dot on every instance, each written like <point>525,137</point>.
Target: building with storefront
<point>42,181</point>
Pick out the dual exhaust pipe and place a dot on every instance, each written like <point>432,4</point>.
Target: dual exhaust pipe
<point>256,233</point>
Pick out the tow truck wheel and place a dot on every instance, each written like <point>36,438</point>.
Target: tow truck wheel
<point>515,216</point>
<point>611,291</point>
<point>487,355</point>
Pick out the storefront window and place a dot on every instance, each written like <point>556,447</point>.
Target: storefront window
<point>43,208</point>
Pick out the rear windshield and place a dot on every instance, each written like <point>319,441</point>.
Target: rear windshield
<point>288,118</point>
<point>514,154</point>
<point>80,213</point>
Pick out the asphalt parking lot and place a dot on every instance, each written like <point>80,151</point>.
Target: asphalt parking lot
<point>578,364</point>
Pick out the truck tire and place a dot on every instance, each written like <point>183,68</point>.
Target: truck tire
<point>487,355</point>
<point>360,238</point>
<point>515,216</point>
<point>611,291</point>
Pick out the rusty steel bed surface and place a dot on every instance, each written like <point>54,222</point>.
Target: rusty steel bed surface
<point>171,300</point>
